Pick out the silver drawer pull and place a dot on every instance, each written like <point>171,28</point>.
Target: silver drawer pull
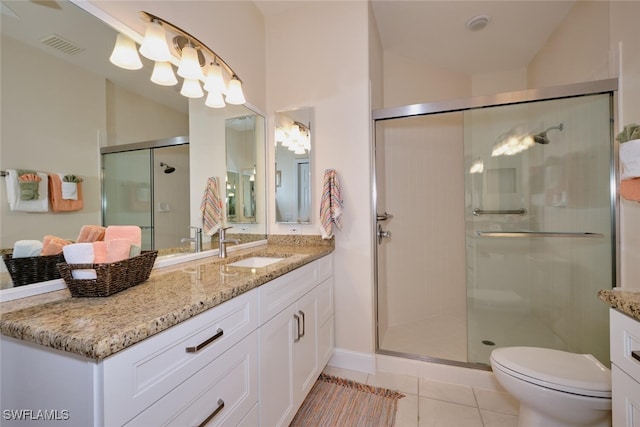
<point>636,355</point>
<point>213,414</point>
<point>203,344</point>
<point>297,326</point>
<point>303,323</point>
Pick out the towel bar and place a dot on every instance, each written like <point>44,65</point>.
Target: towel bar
<point>535,234</point>
<point>477,212</point>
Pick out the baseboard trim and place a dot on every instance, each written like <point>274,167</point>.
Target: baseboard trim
<point>353,361</point>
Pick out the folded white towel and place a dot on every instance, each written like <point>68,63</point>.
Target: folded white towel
<point>13,194</point>
<point>80,253</point>
<point>26,248</point>
<point>630,159</point>
<point>69,190</point>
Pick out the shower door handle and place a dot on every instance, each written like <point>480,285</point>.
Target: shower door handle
<point>382,234</point>
<point>383,217</point>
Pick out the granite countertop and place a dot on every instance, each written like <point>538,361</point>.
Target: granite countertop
<point>626,301</point>
<point>99,327</point>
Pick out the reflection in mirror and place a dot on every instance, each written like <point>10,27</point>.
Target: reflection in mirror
<point>240,137</point>
<point>293,166</point>
<point>54,121</point>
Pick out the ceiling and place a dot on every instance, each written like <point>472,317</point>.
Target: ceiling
<point>433,32</point>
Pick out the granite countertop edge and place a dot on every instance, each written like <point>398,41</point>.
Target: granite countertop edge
<point>626,301</point>
<point>53,323</point>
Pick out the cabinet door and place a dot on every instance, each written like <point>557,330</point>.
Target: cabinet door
<point>305,348</point>
<point>625,399</point>
<point>276,369</point>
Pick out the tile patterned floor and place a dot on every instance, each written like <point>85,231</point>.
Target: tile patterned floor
<point>437,404</point>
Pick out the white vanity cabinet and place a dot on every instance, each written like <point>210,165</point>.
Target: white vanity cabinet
<point>156,382</point>
<point>249,361</point>
<point>296,338</point>
<point>625,369</point>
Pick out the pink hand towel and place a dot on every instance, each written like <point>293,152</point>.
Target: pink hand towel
<point>99,252</point>
<point>132,233</point>
<point>118,249</point>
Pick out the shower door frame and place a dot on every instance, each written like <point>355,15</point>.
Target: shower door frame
<point>607,86</point>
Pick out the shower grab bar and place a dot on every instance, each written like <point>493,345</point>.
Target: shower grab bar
<point>535,234</point>
<point>478,212</point>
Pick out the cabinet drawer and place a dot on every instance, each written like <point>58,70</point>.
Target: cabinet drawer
<point>278,294</point>
<point>625,341</point>
<point>140,375</point>
<point>625,399</point>
<point>224,392</point>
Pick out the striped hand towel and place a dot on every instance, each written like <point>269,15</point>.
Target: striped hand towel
<point>331,204</point>
<point>211,207</point>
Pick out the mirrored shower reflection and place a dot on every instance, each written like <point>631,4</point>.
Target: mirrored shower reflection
<point>146,186</point>
<point>493,249</point>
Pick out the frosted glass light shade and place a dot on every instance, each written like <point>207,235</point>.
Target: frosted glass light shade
<point>163,74</point>
<point>235,95</point>
<point>154,46</point>
<point>125,55</point>
<point>189,67</point>
<point>214,100</point>
<point>191,89</point>
<point>215,81</point>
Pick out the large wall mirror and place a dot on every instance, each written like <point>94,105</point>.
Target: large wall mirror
<point>62,101</point>
<point>293,165</point>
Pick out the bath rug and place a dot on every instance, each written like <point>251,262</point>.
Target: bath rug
<point>336,402</point>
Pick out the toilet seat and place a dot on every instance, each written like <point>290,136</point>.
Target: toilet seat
<point>580,374</point>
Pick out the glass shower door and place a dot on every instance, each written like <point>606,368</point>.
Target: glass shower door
<point>127,191</point>
<point>538,225</point>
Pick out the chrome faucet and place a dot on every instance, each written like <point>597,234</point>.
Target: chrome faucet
<point>197,239</point>
<point>222,240</point>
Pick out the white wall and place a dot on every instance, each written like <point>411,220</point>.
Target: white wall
<point>49,121</point>
<point>318,57</point>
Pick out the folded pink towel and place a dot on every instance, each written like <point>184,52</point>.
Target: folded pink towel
<point>90,233</point>
<point>99,252</point>
<point>132,233</point>
<point>118,249</point>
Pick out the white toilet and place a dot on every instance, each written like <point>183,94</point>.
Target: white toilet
<point>555,388</point>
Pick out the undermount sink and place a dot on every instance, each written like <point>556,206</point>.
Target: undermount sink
<point>255,262</point>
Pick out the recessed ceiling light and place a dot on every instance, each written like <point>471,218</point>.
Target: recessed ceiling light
<point>477,23</point>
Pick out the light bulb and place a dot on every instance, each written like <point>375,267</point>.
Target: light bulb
<point>163,74</point>
<point>215,81</point>
<point>189,67</point>
<point>125,54</point>
<point>235,95</point>
<point>191,89</point>
<point>154,46</point>
<point>214,100</point>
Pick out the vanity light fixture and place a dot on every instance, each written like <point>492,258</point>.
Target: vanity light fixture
<point>190,56</point>
<point>296,139</point>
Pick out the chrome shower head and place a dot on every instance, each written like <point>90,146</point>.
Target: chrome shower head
<point>167,168</point>
<point>541,138</point>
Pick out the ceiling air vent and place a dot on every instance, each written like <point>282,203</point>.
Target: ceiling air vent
<point>59,43</point>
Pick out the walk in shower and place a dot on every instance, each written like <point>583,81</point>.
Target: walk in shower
<point>495,224</point>
<point>147,184</point>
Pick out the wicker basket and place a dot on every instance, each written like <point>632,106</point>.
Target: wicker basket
<point>111,278</point>
<point>24,271</point>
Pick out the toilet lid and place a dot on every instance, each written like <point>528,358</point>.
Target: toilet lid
<point>574,373</point>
